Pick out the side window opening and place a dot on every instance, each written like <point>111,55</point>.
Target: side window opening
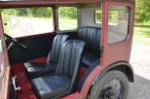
<point>67,18</point>
<point>98,16</point>
<point>118,23</point>
<point>22,22</point>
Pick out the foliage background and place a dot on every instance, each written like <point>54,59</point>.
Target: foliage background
<point>40,12</point>
<point>142,11</point>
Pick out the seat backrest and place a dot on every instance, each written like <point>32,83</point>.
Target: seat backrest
<point>55,49</point>
<point>91,35</point>
<point>69,60</point>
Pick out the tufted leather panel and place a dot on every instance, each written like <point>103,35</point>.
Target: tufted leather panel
<point>54,52</point>
<point>91,35</point>
<point>69,59</point>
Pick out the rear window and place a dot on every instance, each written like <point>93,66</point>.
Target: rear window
<point>27,21</point>
<point>98,16</point>
<point>67,18</point>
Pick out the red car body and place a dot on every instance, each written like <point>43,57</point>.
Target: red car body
<point>114,56</point>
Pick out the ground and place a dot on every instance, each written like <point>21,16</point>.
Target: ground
<point>142,34</point>
<point>140,60</point>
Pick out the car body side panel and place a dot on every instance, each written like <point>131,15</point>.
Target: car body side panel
<point>112,53</point>
<point>6,75</point>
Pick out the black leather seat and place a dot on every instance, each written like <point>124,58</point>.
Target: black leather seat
<point>65,78</point>
<point>39,69</point>
<point>91,35</point>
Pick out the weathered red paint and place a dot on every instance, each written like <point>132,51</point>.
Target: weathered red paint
<point>75,95</point>
<point>5,92</point>
<point>112,53</point>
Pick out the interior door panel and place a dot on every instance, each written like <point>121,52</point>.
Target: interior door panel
<point>38,46</point>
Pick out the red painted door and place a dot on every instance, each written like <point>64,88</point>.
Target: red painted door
<point>117,31</point>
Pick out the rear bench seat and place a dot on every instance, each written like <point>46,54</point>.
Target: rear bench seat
<point>91,35</point>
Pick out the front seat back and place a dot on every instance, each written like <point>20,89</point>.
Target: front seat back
<point>34,69</point>
<point>55,49</point>
<point>69,60</point>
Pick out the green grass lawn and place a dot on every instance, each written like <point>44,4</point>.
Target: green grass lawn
<point>67,24</point>
<point>142,34</point>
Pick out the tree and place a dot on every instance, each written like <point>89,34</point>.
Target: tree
<point>40,12</point>
<point>9,12</point>
<point>33,12</point>
<point>142,11</point>
<point>68,12</point>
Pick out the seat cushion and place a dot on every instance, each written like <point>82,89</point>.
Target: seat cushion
<point>89,58</point>
<point>34,69</point>
<point>48,86</point>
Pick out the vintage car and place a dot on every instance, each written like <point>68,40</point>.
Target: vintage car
<point>66,49</point>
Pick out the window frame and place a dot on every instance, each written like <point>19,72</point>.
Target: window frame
<point>38,34</point>
<point>128,29</point>
<point>57,19</point>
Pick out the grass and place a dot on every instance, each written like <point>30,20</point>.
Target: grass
<point>67,24</point>
<point>142,34</point>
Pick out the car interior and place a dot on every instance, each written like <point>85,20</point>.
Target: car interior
<point>55,64</point>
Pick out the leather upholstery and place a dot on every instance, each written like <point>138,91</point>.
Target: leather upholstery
<point>65,78</point>
<point>91,35</point>
<point>54,52</point>
<point>49,86</point>
<point>39,69</point>
<point>89,58</point>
